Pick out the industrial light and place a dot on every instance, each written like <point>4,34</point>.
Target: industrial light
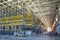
<point>9,0</point>
<point>56,19</point>
<point>48,29</point>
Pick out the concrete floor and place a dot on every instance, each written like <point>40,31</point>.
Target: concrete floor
<point>37,37</point>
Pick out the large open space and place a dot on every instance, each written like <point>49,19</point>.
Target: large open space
<point>29,19</point>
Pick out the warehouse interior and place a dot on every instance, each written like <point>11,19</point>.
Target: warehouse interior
<point>29,17</point>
